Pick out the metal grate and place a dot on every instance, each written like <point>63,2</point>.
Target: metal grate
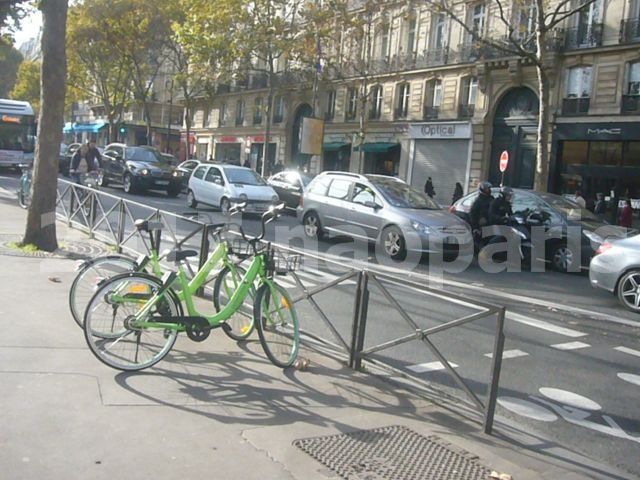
<point>390,453</point>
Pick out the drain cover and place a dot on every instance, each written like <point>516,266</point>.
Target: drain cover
<point>392,453</point>
<point>68,249</point>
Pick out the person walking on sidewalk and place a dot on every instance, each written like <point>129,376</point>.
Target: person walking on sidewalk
<point>428,188</point>
<point>457,193</point>
<point>626,215</point>
<point>82,163</point>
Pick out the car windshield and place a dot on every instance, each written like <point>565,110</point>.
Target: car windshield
<point>567,208</point>
<point>401,195</point>
<point>305,180</point>
<point>146,155</point>
<point>242,176</point>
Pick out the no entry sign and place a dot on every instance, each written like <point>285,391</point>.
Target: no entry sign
<point>504,161</point>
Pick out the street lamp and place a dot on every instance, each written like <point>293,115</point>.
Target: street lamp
<point>169,85</point>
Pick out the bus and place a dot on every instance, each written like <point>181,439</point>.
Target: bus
<point>17,133</point>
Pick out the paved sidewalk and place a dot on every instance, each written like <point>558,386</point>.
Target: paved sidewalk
<point>210,410</point>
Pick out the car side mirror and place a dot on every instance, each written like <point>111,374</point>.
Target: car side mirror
<point>218,181</point>
<point>371,204</point>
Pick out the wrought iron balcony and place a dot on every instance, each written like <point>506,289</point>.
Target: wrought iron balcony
<point>430,113</point>
<point>380,65</point>
<point>584,36</point>
<point>433,58</point>
<point>400,113</point>
<point>258,80</point>
<point>466,110</point>
<point>239,121</point>
<point>329,116</point>
<point>575,105</point>
<point>630,30</point>
<point>350,116</point>
<point>278,117</point>
<point>631,104</point>
<point>374,114</point>
<point>257,119</point>
<point>403,61</point>
<point>468,52</point>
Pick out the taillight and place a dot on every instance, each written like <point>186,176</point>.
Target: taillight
<point>603,248</point>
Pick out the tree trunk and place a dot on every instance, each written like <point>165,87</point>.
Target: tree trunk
<point>147,118</point>
<point>542,157</point>
<point>187,122</point>
<point>41,218</point>
<point>267,130</point>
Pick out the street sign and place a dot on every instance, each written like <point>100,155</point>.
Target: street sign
<point>504,161</point>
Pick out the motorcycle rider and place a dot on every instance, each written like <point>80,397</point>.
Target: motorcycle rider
<point>500,210</point>
<point>479,214</point>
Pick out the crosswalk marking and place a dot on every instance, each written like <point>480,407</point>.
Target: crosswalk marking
<point>509,354</point>
<point>629,351</point>
<point>570,345</point>
<point>429,367</point>
<point>532,322</point>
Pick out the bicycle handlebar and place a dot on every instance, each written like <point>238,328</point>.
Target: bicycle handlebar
<point>271,214</point>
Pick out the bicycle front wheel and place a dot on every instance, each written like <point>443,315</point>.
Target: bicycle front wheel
<point>277,323</point>
<point>108,322</point>
<point>227,282</point>
<point>24,193</point>
<point>90,275</point>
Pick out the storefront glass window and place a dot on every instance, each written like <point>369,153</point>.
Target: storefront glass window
<point>575,153</point>
<point>605,153</point>
<point>631,155</point>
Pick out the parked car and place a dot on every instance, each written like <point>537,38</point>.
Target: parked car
<point>219,185</point>
<point>289,186</point>
<point>559,214</point>
<point>64,162</point>
<point>383,209</point>
<point>171,160</point>
<point>187,167</point>
<point>138,169</point>
<point>616,268</point>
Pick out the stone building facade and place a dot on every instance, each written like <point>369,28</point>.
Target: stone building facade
<point>440,106</point>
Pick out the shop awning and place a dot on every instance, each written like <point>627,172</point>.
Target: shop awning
<point>334,146</point>
<point>68,127</point>
<point>83,127</point>
<point>378,147</point>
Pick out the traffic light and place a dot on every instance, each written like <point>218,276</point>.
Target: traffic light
<point>123,129</point>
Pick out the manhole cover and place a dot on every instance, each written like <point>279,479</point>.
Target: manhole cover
<point>391,453</point>
<point>68,249</point>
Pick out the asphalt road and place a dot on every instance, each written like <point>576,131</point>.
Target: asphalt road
<point>571,366</point>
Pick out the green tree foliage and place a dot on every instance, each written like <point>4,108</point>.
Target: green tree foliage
<point>27,86</point>
<point>10,60</point>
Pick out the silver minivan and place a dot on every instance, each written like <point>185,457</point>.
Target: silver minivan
<point>383,209</point>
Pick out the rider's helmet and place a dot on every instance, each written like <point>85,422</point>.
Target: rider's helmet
<point>485,187</point>
<point>507,193</point>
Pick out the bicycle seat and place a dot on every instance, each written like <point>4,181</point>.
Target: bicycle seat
<point>147,226</point>
<point>179,255</point>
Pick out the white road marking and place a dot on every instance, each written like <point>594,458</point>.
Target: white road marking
<point>509,354</point>
<point>570,345</point>
<point>532,322</point>
<point>630,377</point>
<point>429,367</point>
<point>527,409</point>
<point>569,398</point>
<point>630,351</point>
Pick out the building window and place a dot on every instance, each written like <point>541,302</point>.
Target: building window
<point>223,114</point>
<point>239,113</point>
<point>278,109</point>
<point>257,111</point>
<point>468,96</point>
<point>205,117</point>
<point>476,21</point>
<point>331,105</point>
<point>587,29</point>
<point>403,95</point>
<point>383,42</point>
<point>526,15</point>
<point>631,96</point>
<point>433,99</point>
<point>439,32</point>
<point>410,45</point>
<point>376,102</point>
<point>578,91</point>
<point>352,103</point>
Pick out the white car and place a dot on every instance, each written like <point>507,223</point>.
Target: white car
<point>222,185</point>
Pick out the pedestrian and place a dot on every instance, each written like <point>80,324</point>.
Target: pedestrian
<point>428,188</point>
<point>457,193</point>
<point>626,215</point>
<point>479,213</point>
<point>579,199</point>
<point>210,159</point>
<point>81,164</point>
<point>93,155</point>
<point>600,207</point>
<point>247,163</point>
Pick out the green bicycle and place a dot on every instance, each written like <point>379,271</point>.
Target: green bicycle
<point>143,314</point>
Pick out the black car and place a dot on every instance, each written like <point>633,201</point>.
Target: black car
<point>138,169</point>
<point>289,186</point>
<point>186,168</point>
<point>558,214</point>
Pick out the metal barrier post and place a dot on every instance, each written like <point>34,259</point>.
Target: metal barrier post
<point>496,365</point>
<point>360,321</point>
<point>92,213</point>
<point>204,252</point>
<point>121,219</point>
<point>72,191</point>
<point>354,323</point>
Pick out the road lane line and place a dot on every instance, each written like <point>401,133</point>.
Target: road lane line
<point>629,351</point>
<point>429,367</point>
<point>570,345</point>
<point>541,324</point>
<point>509,354</point>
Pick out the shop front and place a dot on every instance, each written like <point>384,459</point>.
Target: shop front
<point>228,150</point>
<point>381,154</point>
<point>441,151</point>
<point>596,158</point>
<point>256,152</point>
<point>336,152</point>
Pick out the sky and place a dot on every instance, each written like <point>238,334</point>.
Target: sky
<point>28,28</point>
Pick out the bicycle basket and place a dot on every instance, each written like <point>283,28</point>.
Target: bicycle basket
<point>280,263</point>
<point>243,249</point>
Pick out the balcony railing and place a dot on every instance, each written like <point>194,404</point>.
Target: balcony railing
<point>576,105</point>
<point>466,111</point>
<point>374,114</point>
<point>328,116</point>
<point>278,117</point>
<point>433,58</point>
<point>239,121</point>
<point>468,52</point>
<point>584,36</point>
<point>430,113</point>
<point>630,30</point>
<point>400,113</point>
<point>631,104</point>
<point>257,119</point>
<point>350,116</point>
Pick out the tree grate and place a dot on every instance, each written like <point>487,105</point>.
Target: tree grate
<point>392,453</point>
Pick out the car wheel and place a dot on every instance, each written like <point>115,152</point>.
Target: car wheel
<point>563,258</point>
<point>394,243</point>
<point>225,205</point>
<point>102,180</point>
<point>127,183</point>
<point>629,291</point>
<point>312,228</point>
<point>191,200</point>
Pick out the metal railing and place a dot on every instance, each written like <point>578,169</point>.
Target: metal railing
<point>341,330</point>
<point>584,36</point>
<point>575,106</point>
<point>630,30</point>
<point>630,103</point>
<point>430,113</point>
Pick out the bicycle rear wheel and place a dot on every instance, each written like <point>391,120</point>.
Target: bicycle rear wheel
<point>107,322</point>
<point>90,275</point>
<point>227,282</point>
<point>277,324</point>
